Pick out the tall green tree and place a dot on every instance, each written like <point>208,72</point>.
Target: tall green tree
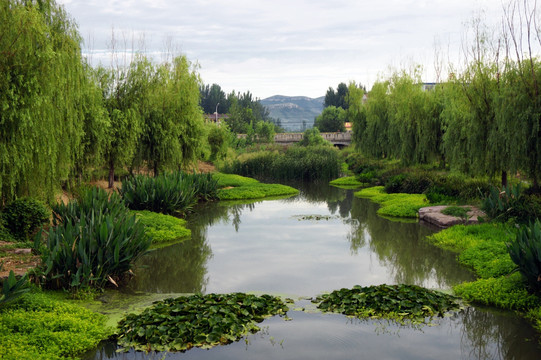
<point>41,92</point>
<point>331,119</point>
<point>125,91</point>
<point>172,125</point>
<point>212,98</point>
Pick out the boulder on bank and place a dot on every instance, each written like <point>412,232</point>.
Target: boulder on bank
<point>434,216</point>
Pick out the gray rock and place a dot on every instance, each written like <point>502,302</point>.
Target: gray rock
<point>434,216</point>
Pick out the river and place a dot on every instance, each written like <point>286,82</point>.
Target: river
<point>321,240</point>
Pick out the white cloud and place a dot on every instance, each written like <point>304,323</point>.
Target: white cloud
<point>294,47</point>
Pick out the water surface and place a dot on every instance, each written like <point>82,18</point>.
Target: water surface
<point>322,240</point>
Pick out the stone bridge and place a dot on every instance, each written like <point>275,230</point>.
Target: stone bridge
<point>339,139</point>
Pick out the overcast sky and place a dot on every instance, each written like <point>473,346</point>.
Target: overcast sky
<point>285,47</point>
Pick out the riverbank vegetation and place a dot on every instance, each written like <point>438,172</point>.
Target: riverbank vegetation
<point>236,187</point>
<point>394,205</point>
<point>313,161</point>
<point>42,326</point>
<point>485,249</point>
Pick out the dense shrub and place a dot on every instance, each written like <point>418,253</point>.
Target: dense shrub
<point>168,193</point>
<point>525,251</point>
<point>94,240</point>
<point>5,234</point>
<point>511,203</point>
<point>23,216</point>
<point>309,163</point>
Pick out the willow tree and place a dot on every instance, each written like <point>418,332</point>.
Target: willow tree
<point>356,113</point>
<point>41,85</point>
<point>376,135</point>
<point>172,130</point>
<point>124,91</point>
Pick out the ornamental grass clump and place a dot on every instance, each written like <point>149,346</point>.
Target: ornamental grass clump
<point>168,193</point>
<point>94,240</point>
<point>525,251</point>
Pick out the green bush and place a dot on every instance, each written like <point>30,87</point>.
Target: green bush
<point>408,183</point>
<point>91,245</point>
<point>525,251</point>
<point>511,203</point>
<point>41,327</point>
<point>23,216</point>
<point>312,137</point>
<point>168,193</point>
<point>5,234</point>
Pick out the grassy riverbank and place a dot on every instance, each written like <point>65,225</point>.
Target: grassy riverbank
<point>483,249</point>
<point>44,326</point>
<point>394,205</point>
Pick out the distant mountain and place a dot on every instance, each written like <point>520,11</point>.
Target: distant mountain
<point>296,113</point>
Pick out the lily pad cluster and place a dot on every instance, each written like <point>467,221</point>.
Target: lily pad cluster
<point>398,302</point>
<point>197,321</point>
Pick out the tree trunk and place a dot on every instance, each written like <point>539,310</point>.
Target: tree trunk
<point>111,174</point>
<point>156,169</point>
<point>504,178</point>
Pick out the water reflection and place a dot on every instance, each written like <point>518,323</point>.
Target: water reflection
<point>267,247</point>
<point>472,334</point>
<point>180,268</point>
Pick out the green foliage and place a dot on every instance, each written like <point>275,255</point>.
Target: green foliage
<point>218,139</point>
<point>5,234</point>
<point>456,211</point>
<point>480,247</point>
<point>168,193</point>
<point>41,327</point>
<point>349,181</point>
<point>226,180</point>
<point>42,91</point>
<point>265,132</point>
<point>162,228</point>
<point>398,302</point>
<point>23,216</point>
<point>505,292</point>
<point>13,288</point>
<point>332,119</point>
<point>94,241</point>
<point>312,137</point>
<point>197,321</point>
<point>525,251</point>
<point>338,98</point>
<point>256,191</point>
<point>310,163</point>
<point>511,203</point>
<point>394,205</point>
